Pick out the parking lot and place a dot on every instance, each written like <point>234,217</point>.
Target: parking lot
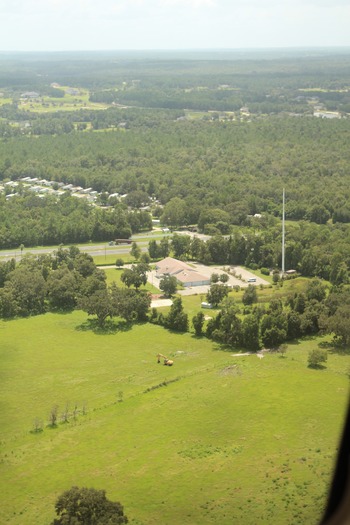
<point>208,271</point>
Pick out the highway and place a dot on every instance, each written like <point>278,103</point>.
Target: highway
<point>102,249</point>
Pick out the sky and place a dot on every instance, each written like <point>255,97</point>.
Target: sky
<point>64,25</point>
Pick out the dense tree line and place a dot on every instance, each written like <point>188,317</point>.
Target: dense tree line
<point>66,280</point>
<point>312,250</point>
<point>262,69</point>
<point>258,325</point>
<point>47,282</point>
<point>16,120</point>
<point>239,168</point>
<point>217,174</point>
<point>271,325</point>
<point>34,221</point>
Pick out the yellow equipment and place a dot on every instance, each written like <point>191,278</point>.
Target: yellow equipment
<point>167,362</point>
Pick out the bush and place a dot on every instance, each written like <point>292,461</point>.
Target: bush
<point>250,295</point>
<point>317,357</point>
<point>265,271</point>
<point>119,263</point>
<point>275,277</point>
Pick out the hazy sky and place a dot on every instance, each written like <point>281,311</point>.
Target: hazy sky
<point>52,25</point>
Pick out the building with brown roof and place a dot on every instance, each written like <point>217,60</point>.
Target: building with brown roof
<point>184,273</point>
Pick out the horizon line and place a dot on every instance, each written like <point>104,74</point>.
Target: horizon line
<point>183,50</point>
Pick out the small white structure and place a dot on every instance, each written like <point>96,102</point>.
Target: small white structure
<point>206,305</point>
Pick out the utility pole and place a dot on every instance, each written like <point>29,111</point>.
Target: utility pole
<point>283,233</point>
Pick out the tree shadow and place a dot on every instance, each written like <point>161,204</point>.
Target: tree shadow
<point>62,311</point>
<point>325,344</point>
<point>221,347</point>
<point>317,367</point>
<point>110,327</point>
<point>175,332</point>
<point>336,346</point>
<point>294,342</point>
<point>338,349</point>
<point>198,337</point>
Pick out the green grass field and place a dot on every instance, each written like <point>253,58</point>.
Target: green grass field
<point>227,440</point>
<point>113,275</point>
<point>67,103</point>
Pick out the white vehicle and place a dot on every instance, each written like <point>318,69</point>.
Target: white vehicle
<point>251,280</point>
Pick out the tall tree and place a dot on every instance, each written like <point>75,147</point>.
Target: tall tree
<point>135,276</point>
<point>62,286</point>
<point>181,245</point>
<point>87,507</point>
<point>131,305</point>
<point>175,212</point>
<point>168,285</point>
<point>177,319</point>
<point>153,249</point>
<point>250,295</point>
<point>198,322</point>
<point>29,290</point>
<point>250,332</point>
<point>216,293</point>
<point>135,251</point>
<point>99,304</point>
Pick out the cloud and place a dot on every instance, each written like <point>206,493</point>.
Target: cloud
<point>142,24</point>
<point>188,3</point>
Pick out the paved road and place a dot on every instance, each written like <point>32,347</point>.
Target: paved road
<point>91,250</point>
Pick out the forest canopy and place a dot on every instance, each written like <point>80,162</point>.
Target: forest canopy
<point>204,139</point>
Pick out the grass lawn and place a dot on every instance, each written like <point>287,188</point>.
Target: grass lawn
<point>108,259</point>
<point>228,440</point>
<point>113,275</point>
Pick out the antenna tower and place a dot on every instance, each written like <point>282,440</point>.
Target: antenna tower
<point>283,233</point>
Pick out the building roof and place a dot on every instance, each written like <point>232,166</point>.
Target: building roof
<point>191,276</point>
<point>171,266</point>
<point>179,269</point>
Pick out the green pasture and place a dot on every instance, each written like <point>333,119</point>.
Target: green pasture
<point>69,102</point>
<point>4,100</point>
<point>215,439</point>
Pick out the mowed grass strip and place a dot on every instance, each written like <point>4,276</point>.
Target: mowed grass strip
<point>213,439</point>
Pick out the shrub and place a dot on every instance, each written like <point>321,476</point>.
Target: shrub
<point>317,357</point>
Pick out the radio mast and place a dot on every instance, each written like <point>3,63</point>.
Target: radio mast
<point>283,233</point>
